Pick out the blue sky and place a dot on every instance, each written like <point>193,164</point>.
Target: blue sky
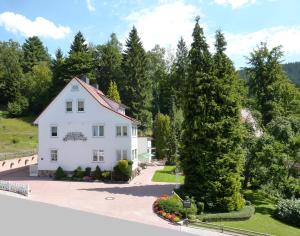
<point>245,22</point>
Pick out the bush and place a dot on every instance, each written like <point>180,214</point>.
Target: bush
<point>78,173</point>
<point>106,175</point>
<point>123,170</point>
<point>59,174</point>
<point>288,211</point>
<point>97,174</point>
<point>17,107</point>
<point>87,171</point>
<point>200,206</point>
<point>243,214</point>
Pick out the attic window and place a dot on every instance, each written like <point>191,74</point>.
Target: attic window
<point>75,88</point>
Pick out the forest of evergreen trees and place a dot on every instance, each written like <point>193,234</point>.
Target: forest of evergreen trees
<point>192,103</point>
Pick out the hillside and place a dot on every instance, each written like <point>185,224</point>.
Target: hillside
<point>292,69</point>
<point>17,134</point>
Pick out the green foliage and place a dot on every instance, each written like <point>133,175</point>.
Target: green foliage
<point>58,71</point>
<point>87,171</point>
<point>59,174</point>
<point>78,173</point>
<point>106,175</point>
<point>97,173</point>
<point>161,134</point>
<point>136,90</point>
<point>293,71</point>
<point>113,92</point>
<point>244,214</point>
<point>123,170</point>
<point>79,44</point>
<point>288,211</point>
<point>211,152</point>
<point>18,107</point>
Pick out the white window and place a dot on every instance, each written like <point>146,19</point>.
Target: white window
<point>98,130</point>
<point>133,154</point>
<point>53,154</point>
<point>53,131</point>
<point>122,154</point>
<point>98,155</point>
<point>69,106</point>
<point>134,131</point>
<point>80,106</point>
<point>124,129</point>
<point>121,131</point>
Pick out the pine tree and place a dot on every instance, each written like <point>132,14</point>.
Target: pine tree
<point>179,71</point>
<point>80,60</point>
<point>211,156</point>
<point>107,60</point>
<point>136,87</point>
<point>113,92</point>
<point>34,53</point>
<point>58,70</point>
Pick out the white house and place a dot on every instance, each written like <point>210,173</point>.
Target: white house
<point>145,149</point>
<point>82,127</point>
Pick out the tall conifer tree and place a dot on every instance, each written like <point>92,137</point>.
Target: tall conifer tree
<point>136,87</point>
<point>211,156</point>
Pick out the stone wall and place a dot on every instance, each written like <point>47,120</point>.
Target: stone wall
<point>11,164</point>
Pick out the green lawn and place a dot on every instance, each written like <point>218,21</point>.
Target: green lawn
<point>17,135</point>
<point>262,221</point>
<point>167,175</point>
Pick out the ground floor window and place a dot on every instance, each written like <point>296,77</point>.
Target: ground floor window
<point>98,155</point>
<point>53,154</point>
<point>134,154</point>
<point>122,154</point>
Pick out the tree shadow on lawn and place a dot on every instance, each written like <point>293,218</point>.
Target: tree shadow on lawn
<point>138,191</point>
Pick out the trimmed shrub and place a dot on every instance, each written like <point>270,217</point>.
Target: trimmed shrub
<point>78,173</point>
<point>288,211</point>
<point>59,174</point>
<point>97,174</point>
<point>243,214</point>
<point>106,175</point>
<point>87,171</point>
<point>123,170</point>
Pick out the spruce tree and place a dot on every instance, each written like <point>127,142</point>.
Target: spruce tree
<point>211,155</point>
<point>80,60</point>
<point>34,53</point>
<point>136,87</point>
<point>113,92</point>
<point>58,70</point>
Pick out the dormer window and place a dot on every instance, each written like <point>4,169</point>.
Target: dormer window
<point>69,106</point>
<point>80,106</point>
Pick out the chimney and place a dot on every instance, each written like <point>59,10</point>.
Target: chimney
<point>85,79</point>
<point>96,86</point>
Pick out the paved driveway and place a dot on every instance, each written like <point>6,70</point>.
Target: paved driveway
<point>132,201</point>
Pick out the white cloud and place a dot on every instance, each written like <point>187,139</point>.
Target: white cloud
<point>90,5</point>
<point>17,23</point>
<point>165,23</point>
<point>235,4</point>
<point>241,44</point>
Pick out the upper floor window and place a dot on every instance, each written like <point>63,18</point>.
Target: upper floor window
<point>69,106</point>
<point>121,131</point>
<point>98,155</point>
<point>80,106</point>
<point>75,88</point>
<point>98,130</point>
<point>53,131</point>
<point>53,154</point>
<point>134,131</point>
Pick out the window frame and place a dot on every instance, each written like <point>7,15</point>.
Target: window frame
<point>66,106</point>
<point>100,153</point>
<point>98,130</point>
<point>134,131</point>
<point>83,102</point>
<point>121,130</point>
<point>121,152</point>
<point>51,157</point>
<point>51,133</point>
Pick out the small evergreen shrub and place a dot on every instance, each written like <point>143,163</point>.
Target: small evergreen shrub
<point>97,174</point>
<point>87,171</point>
<point>78,173</point>
<point>288,211</point>
<point>106,175</point>
<point>123,170</point>
<point>243,214</point>
<point>59,174</point>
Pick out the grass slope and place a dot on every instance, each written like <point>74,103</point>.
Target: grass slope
<point>262,221</point>
<point>167,175</point>
<point>17,135</point>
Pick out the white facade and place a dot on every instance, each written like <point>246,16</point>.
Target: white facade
<point>62,150</point>
<point>145,148</point>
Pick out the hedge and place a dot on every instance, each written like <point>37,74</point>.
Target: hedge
<point>243,214</point>
<point>288,211</point>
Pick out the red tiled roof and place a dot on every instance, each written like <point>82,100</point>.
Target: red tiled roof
<point>102,99</point>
